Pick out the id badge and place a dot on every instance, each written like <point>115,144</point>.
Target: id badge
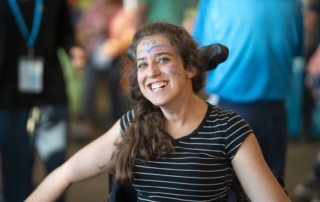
<point>30,75</point>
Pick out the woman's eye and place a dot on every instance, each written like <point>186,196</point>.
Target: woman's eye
<point>163,60</point>
<point>142,65</point>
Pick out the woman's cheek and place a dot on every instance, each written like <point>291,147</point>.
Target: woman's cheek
<point>173,68</point>
<point>140,80</point>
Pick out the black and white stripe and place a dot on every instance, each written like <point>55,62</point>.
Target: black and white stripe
<point>200,169</point>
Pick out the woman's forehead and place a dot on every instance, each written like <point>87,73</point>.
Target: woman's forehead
<point>153,40</point>
<point>154,44</point>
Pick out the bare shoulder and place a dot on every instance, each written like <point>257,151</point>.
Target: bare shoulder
<point>255,176</point>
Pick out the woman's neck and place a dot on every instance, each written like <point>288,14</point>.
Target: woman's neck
<point>185,117</point>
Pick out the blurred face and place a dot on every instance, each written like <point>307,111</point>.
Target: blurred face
<point>161,76</point>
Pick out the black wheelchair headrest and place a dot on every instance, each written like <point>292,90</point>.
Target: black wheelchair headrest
<point>214,54</point>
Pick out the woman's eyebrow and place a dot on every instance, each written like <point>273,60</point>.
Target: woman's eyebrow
<point>161,53</point>
<point>141,59</point>
<point>155,55</point>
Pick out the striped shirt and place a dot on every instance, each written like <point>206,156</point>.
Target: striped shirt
<point>200,168</point>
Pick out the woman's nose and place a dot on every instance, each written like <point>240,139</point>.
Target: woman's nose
<point>153,71</point>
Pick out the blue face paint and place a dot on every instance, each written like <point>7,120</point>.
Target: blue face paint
<point>161,49</point>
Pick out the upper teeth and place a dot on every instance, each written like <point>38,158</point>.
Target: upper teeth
<point>158,86</point>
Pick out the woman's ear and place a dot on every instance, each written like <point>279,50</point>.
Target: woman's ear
<point>191,72</point>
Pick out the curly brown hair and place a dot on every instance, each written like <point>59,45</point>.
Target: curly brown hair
<point>146,138</point>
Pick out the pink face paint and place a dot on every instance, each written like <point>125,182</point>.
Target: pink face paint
<point>154,50</point>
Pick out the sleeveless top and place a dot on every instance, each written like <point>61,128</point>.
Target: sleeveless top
<point>200,168</point>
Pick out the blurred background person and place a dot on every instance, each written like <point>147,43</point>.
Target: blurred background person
<point>310,127</point>
<point>165,10</point>
<point>263,38</point>
<point>105,30</point>
<point>309,189</point>
<point>33,100</point>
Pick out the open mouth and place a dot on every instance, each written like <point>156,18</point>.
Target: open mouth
<point>158,86</point>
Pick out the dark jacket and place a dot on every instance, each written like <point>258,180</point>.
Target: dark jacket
<point>56,30</point>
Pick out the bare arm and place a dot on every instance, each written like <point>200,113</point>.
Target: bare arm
<point>90,161</point>
<point>254,175</point>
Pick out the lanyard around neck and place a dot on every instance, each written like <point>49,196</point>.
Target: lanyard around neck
<point>29,38</point>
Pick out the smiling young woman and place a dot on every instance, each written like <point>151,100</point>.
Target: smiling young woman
<point>172,146</point>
